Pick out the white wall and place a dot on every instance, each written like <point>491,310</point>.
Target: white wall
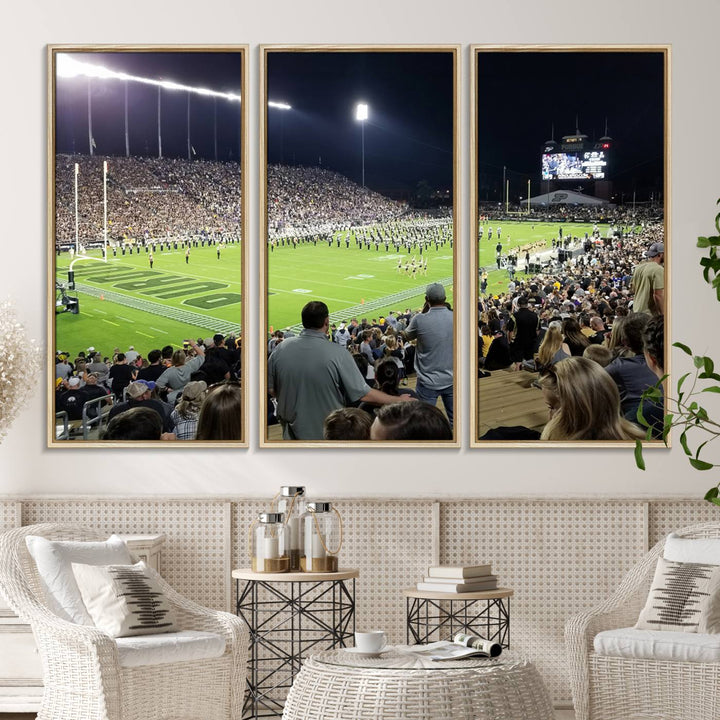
<point>27,467</point>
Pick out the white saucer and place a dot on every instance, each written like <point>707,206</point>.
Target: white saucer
<point>356,651</point>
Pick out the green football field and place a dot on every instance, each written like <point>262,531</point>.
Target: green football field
<point>123,302</point>
<point>352,282</point>
<point>519,234</point>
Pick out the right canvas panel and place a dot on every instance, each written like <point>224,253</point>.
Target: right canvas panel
<point>570,212</point>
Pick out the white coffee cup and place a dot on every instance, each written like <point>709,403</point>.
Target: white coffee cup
<point>373,641</point>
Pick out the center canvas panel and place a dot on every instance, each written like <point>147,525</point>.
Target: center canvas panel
<point>359,230</point>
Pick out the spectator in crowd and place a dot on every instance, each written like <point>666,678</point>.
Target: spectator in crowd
<point>92,391</point>
<point>631,373</point>
<point>410,421</point>
<point>179,374</point>
<point>185,415</point>
<point>138,423</point>
<point>648,282</point>
<point>498,356</point>
<point>221,413</point>
<point>347,424</point>
<point>154,370</point>
<point>599,354</point>
<point>654,345</point>
<point>434,358</point>
<point>583,403</point>
<point>525,327</point>
<point>120,375</point>
<point>72,399</point>
<point>310,377</point>
<point>553,347</point>
<point>139,395</point>
<point>63,369</point>
<point>573,336</point>
<point>98,367</point>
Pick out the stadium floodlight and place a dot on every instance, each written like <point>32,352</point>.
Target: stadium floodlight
<point>67,66</point>
<point>362,113</point>
<point>279,105</point>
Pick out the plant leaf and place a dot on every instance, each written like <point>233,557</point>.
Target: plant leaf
<point>684,444</point>
<point>683,347</point>
<point>698,361</point>
<point>697,464</point>
<point>713,388</point>
<point>712,493</point>
<point>639,460</point>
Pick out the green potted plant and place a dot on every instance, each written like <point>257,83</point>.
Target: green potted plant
<point>685,411</point>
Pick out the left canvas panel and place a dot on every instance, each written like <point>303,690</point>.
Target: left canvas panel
<point>146,249</point>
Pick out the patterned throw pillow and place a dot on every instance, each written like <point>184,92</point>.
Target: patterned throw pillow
<point>124,600</point>
<point>684,597</point>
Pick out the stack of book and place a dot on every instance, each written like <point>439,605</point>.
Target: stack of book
<point>458,579</point>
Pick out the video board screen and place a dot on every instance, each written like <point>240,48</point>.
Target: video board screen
<point>591,165</point>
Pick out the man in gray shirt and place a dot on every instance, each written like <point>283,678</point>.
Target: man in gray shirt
<point>310,377</point>
<point>433,330</point>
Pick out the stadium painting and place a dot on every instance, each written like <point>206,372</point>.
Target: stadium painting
<point>570,198</point>
<point>147,191</point>
<point>359,227</point>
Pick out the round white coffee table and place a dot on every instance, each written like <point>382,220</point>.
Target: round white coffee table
<point>341,685</point>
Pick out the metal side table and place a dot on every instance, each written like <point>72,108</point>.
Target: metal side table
<point>438,615</point>
<point>289,616</point>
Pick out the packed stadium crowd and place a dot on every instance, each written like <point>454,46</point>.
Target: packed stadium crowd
<point>349,381</point>
<point>185,393</point>
<point>302,197</point>
<point>600,309</point>
<point>147,199</point>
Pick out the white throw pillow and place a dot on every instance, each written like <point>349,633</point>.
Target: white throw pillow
<point>684,597</point>
<point>692,550</point>
<point>124,600</point>
<point>54,558</point>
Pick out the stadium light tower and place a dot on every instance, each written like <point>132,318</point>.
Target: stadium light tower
<point>361,115</point>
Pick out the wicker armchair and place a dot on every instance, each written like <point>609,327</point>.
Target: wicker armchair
<point>614,688</point>
<point>82,674</point>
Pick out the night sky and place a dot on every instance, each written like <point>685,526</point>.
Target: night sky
<point>409,133</point>
<point>220,71</point>
<point>521,94</point>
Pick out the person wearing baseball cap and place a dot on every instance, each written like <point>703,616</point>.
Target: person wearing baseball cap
<point>433,330</point>
<point>648,282</point>
<point>138,394</point>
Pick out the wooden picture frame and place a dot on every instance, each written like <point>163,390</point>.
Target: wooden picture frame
<point>141,209</point>
<point>556,70</point>
<point>350,76</point>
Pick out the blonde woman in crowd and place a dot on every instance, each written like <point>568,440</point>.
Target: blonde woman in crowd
<point>583,403</point>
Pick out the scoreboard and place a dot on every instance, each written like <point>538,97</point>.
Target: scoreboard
<point>576,159</point>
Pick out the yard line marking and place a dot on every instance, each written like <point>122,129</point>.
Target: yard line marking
<point>102,312</point>
<point>120,317</point>
<point>164,332</point>
<point>145,334</point>
<point>110,323</point>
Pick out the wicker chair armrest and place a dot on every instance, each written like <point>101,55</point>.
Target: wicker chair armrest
<point>619,610</point>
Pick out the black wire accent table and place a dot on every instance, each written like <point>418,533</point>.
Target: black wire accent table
<point>435,616</point>
<point>290,615</point>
